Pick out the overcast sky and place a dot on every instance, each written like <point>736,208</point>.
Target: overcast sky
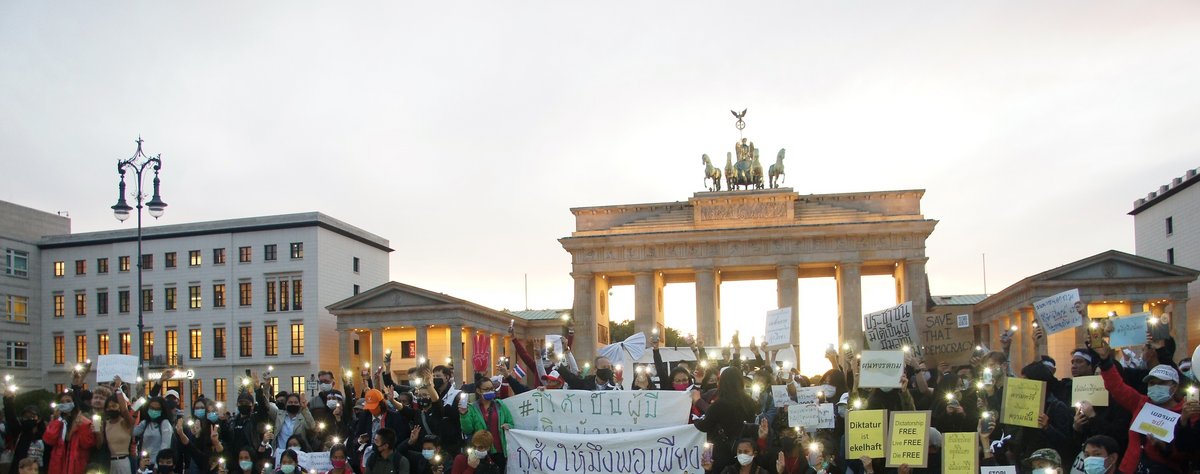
<point>464,131</point>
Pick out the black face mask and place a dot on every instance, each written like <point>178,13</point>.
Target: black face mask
<point>787,443</point>
<point>112,414</point>
<point>424,402</point>
<point>604,374</point>
<point>28,424</point>
<point>439,383</point>
<point>166,469</point>
<point>244,409</point>
<point>293,409</point>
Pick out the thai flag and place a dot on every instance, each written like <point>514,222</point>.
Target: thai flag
<point>519,371</point>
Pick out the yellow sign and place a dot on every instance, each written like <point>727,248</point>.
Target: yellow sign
<point>1023,402</point>
<point>1089,388</point>
<point>865,433</point>
<point>909,440</point>
<point>960,454</point>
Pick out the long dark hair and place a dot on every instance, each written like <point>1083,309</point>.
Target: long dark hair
<point>731,391</point>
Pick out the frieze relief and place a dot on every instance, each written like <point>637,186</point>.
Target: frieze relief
<point>747,248</point>
<point>743,210</point>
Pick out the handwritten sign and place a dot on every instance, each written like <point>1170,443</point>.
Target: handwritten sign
<point>811,416</point>
<point>109,366</point>
<point>1155,421</point>
<point>1023,402</point>
<point>998,470</point>
<point>960,455</point>
<point>881,369</point>
<point>1089,388</point>
<point>892,328</point>
<point>825,417</point>
<point>779,395</point>
<point>909,440</point>
<point>1059,312</point>
<point>946,339</point>
<point>673,449</point>
<point>613,411</point>
<point>814,394</point>
<point>779,328</point>
<point>865,433</point>
<point>314,462</point>
<point>556,343</point>
<point>1129,330</point>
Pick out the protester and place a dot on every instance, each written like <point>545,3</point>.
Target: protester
<point>476,458</point>
<point>69,437</point>
<point>385,459</point>
<point>1162,381</point>
<point>289,463</point>
<point>154,433</point>
<point>490,415</point>
<point>339,460</point>
<point>726,419</point>
<point>117,434</point>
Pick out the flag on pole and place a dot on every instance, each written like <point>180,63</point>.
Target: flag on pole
<point>519,371</point>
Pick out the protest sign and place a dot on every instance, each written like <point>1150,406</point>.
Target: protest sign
<point>814,394</point>
<point>892,328</point>
<point>804,414</point>
<point>825,416</point>
<point>909,440</point>
<point>1128,330</point>
<point>1155,421</point>
<point>946,339</point>
<point>673,449</point>
<point>779,328</point>
<point>1059,312</point>
<point>1089,388</point>
<point>109,366</point>
<point>881,369</point>
<point>1023,402</point>
<point>314,462</point>
<point>998,470</point>
<point>779,395</point>
<point>612,411</point>
<point>865,433</point>
<point>960,453</point>
<point>555,343</point>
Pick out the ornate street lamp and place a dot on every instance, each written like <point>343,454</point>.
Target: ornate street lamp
<point>138,163</point>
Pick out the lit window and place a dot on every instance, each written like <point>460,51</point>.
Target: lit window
<point>272,340</point>
<point>124,343</point>
<point>297,249</point>
<point>102,343</point>
<point>16,354</point>
<point>297,339</point>
<point>172,347</point>
<point>101,265</point>
<point>123,263</point>
<point>219,390</point>
<point>243,254</point>
<point>16,263</point>
<point>298,383</point>
<point>270,296</point>
<point>60,268</point>
<point>80,304</point>
<point>219,295</point>
<point>194,343</point>
<point>245,342</point>
<point>193,258</point>
<point>60,306</point>
<point>81,354</point>
<point>245,294</point>
<point>297,291</point>
<point>194,297</point>
<point>59,350</point>
<point>147,345</point>
<point>16,308</point>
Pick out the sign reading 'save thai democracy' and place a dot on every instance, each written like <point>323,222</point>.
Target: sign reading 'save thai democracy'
<point>892,328</point>
<point>585,412</point>
<point>1059,312</point>
<point>662,450</point>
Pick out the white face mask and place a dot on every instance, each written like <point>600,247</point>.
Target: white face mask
<point>745,459</point>
<point>841,411</point>
<point>1094,465</point>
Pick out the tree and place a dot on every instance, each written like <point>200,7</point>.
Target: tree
<point>620,331</point>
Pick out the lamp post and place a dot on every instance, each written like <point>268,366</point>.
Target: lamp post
<point>138,163</point>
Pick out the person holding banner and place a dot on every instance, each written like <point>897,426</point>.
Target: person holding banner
<point>487,414</point>
<point>1091,420</point>
<point>1144,451</point>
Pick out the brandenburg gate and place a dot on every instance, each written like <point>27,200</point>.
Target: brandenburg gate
<point>761,234</point>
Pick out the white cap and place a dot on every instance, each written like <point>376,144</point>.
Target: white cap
<point>1163,372</point>
<point>845,399</point>
<point>172,392</point>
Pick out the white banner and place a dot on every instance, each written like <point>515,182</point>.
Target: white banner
<point>109,366</point>
<point>315,462</point>
<point>779,328</point>
<point>611,411</point>
<point>668,450</point>
<point>881,369</point>
<point>892,329</point>
<point>1060,312</point>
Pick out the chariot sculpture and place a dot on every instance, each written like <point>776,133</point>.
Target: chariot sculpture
<point>747,171</point>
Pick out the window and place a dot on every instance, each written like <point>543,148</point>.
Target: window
<point>272,339</point>
<point>408,349</point>
<point>290,294</point>
<point>245,343</point>
<point>169,259</point>
<point>123,301</point>
<point>197,388</point>
<point>297,339</point>
<point>81,304</point>
<point>102,343</point>
<point>194,343</point>
<point>194,297</point>
<point>169,294</point>
<point>245,294</point>
<point>270,296</point>
<point>297,249</point>
<point>1171,256</point>
<point>194,258</point>
<point>274,382</point>
<point>102,265</point>
<point>16,308</point>
<point>16,354</point>
<point>80,267</point>
<point>283,296</point>
<point>101,302</point>
<point>123,263</point>
<point>172,346</point>
<point>16,263</point>
<point>59,350</point>
<point>269,252</point>
<point>60,306</point>
<point>297,290</point>
<point>1170,225</point>
<point>124,344</point>
<point>147,345</point>
<point>355,264</point>
<point>243,254</point>
<point>219,295</point>
<point>298,383</point>
<point>80,348</point>
<point>218,343</point>
<point>60,269</point>
<point>148,261</point>
<point>356,347</point>
<point>219,256</point>
<point>60,388</point>
<point>219,390</point>
<point>356,289</point>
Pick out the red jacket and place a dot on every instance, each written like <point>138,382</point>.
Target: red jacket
<point>1132,401</point>
<point>71,458</point>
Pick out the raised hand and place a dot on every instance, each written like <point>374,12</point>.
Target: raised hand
<point>780,463</point>
<point>763,428</point>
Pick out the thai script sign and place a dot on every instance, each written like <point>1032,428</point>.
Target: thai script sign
<point>586,412</point>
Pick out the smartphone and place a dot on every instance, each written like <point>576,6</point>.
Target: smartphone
<point>1193,395</point>
<point>1096,334</point>
<point>1161,330</point>
<point>987,378</point>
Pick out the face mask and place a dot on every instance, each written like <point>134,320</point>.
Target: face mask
<point>154,414</point>
<point>166,469</point>
<point>489,396</point>
<point>294,447</point>
<point>245,465</point>
<point>427,454</point>
<point>886,390</point>
<point>787,443</point>
<point>199,412</point>
<point>480,453</point>
<point>604,374</point>
<point>679,387</point>
<point>244,409</point>
<point>1159,394</point>
<point>326,387</point>
<point>293,409</point>
<point>438,383</point>
<point>1094,465</point>
<point>841,411</point>
<point>424,402</point>
<point>213,417</point>
<point>337,463</point>
<point>287,468</point>
<point>1040,470</point>
<point>927,375</point>
<point>112,414</point>
<point>66,407</point>
<point>1189,374</point>
<point>745,459</point>
<point>28,424</point>
<point>331,403</point>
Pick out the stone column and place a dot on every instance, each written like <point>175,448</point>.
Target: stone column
<point>898,275</point>
<point>647,297</point>
<point>423,341</point>
<point>788,291</point>
<point>344,347</point>
<point>1179,328</point>
<point>456,352</point>
<point>708,309</point>
<point>376,346</point>
<point>849,283</point>
<point>915,284</point>
<point>584,318</point>
<point>469,359</point>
